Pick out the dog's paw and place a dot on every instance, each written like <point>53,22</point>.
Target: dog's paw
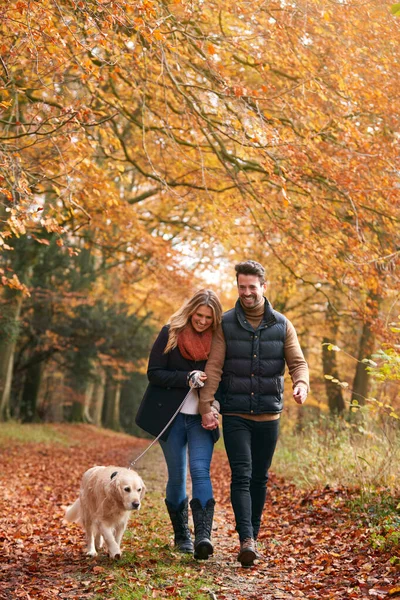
<point>91,553</point>
<point>115,555</point>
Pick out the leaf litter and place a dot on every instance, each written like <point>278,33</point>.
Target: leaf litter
<point>312,545</point>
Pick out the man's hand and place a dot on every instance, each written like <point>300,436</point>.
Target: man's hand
<point>300,394</point>
<point>210,420</point>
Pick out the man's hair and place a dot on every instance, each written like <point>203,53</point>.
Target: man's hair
<point>250,267</point>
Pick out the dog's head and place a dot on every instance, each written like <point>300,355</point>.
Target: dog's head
<point>129,488</point>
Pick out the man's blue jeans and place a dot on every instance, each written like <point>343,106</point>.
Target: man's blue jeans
<point>188,434</point>
<point>250,446</point>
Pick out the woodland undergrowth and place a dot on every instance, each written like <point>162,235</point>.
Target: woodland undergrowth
<point>360,455</point>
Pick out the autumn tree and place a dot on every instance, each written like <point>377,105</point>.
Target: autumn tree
<point>143,133</point>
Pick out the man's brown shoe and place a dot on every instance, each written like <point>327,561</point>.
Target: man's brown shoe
<point>247,554</point>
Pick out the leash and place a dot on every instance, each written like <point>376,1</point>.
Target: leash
<point>132,464</point>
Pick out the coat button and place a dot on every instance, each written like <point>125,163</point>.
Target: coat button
<point>255,355</point>
<point>252,393</point>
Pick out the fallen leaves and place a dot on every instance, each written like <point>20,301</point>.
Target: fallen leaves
<point>313,548</point>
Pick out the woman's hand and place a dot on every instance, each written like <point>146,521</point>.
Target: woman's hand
<point>210,420</point>
<point>196,379</point>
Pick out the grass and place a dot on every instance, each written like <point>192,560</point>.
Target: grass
<point>338,453</point>
<point>49,433</point>
<point>35,433</point>
<point>361,456</point>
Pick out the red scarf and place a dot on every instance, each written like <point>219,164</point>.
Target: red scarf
<point>193,345</point>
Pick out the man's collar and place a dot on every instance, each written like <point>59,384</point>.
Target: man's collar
<point>268,319</point>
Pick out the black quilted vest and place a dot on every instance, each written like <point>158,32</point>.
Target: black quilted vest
<point>252,377</point>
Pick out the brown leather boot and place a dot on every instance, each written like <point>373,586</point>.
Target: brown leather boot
<point>247,554</point>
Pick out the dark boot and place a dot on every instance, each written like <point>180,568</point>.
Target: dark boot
<point>179,520</point>
<point>248,553</point>
<point>203,520</point>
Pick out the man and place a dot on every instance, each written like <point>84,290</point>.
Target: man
<point>245,371</point>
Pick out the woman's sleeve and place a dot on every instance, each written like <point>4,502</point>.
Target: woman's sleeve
<point>158,372</point>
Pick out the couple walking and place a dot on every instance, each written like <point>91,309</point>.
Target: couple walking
<point>233,364</point>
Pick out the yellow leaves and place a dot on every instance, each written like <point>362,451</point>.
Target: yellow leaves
<point>14,283</point>
<point>285,200</point>
<point>16,225</point>
<point>342,384</point>
<point>6,104</point>
<point>41,240</point>
<point>51,225</point>
<point>395,9</point>
<point>331,347</point>
<point>6,193</point>
<point>157,35</point>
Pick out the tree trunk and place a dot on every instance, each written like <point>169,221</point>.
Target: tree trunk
<point>55,400</point>
<point>329,364</point>
<point>28,409</point>
<point>98,398</point>
<point>362,378</point>
<point>111,418</point>
<point>88,402</point>
<point>77,407</point>
<point>8,338</point>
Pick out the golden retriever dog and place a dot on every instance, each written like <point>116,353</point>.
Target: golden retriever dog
<point>106,498</point>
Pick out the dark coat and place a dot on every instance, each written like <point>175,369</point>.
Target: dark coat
<point>168,386</point>
<point>252,378</point>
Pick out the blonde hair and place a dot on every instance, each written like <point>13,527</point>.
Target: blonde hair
<point>181,318</point>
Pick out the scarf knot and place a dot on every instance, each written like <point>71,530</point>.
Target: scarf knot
<point>193,345</point>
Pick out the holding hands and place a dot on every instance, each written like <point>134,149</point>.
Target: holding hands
<point>210,420</point>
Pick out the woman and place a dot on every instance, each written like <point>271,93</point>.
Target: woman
<point>176,367</point>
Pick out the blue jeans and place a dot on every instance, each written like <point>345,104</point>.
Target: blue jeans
<point>250,446</point>
<point>187,434</point>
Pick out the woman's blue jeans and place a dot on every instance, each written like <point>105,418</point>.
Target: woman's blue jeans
<point>250,446</point>
<point>187,434</point>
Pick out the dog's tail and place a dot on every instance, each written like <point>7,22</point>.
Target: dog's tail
<point>73,512</point>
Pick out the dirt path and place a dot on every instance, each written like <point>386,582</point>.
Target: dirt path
<point>313,549</point>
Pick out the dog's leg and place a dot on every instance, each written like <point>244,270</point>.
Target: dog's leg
<point>119,532</point>
<point>113,548</point>
<point>98,541</point>
<point>90,544</point>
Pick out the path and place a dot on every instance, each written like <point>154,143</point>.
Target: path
<point>313,548</point>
